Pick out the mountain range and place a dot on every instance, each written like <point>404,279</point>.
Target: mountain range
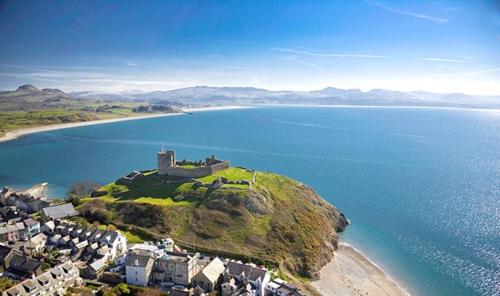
<point>28,97</point>
<point>327,96</point>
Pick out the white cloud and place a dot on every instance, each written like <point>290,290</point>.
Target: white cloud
<point>435,19</point>
<point>302,62</point>
<point>484,71</point>
<point>444,60</point>
<point>332,55</point>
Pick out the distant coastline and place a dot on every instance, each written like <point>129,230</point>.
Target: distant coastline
<point>15,134</point>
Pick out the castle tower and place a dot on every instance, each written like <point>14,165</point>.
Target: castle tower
<point>166,160</point>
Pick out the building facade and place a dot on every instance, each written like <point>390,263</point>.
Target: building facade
<point>177,268</point>
<point>138,267</point>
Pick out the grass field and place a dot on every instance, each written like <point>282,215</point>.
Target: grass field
<point>153,189</point>
<point>13,120</point>
<point>20,119</point>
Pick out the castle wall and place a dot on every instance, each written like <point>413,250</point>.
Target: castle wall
<point>166,160</point>
<point>196,172</point>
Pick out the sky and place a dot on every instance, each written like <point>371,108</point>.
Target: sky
<point>120,46</point>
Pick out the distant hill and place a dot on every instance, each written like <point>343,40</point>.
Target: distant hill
<point>28,106</point>
<point>27,97</point>
<point>327,96</point>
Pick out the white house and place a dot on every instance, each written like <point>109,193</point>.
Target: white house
<point>116,243</point>
<point>138,267</point>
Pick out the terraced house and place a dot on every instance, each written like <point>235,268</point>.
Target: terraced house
<point>50,283</point>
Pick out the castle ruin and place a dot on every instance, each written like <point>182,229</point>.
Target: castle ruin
<point>168,166</point>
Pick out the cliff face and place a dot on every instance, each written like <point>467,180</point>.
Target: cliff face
<point>276,219</point>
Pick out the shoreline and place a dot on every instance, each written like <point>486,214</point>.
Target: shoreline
<point>15,134</point>
<point>352,273</point>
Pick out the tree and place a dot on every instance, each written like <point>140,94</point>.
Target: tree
<point>83,188</point>
<point>5,283</point>
<point>121,289</point>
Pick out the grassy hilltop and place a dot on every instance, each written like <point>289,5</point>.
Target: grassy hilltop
<point>274,218</point>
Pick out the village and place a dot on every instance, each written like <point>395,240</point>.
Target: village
<point>44,250</point>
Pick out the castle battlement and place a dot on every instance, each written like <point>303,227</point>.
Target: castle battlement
<point>168,166</point>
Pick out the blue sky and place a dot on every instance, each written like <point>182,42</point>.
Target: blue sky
<point>442,46</point>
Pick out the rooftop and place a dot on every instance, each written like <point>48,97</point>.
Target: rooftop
<point>60,211</point>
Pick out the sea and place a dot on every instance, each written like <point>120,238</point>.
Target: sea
<point>420,186</point>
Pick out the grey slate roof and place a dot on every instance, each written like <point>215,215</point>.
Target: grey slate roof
<point>60,211</point>
<point>139,259</point>
<point>250,273</point>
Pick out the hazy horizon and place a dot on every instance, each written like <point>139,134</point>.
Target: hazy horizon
<point>442,47</point>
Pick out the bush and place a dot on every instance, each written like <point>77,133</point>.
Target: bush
<point>98,215</point>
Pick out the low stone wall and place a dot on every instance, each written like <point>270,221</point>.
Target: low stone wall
<point>197,172</point>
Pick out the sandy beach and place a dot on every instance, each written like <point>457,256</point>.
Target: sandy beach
<point>26,131</point>
<point>351,273</point>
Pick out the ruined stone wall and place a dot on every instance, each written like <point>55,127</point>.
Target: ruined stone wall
<point>219,167</point>
<point>196,172</point>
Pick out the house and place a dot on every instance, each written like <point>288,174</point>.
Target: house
<point>21,230</point>
<point>11,212</point>
<point>229,287</point>
<point>138,267</point>
<point>60,211</point>
<point>247,275</point>
<point>288,290</point>
<point>78,249</point>
<point>208,278</point>
<point>6,254</point>
<point>96,268</point>
<point>35,245</point>
<point>116,243</point>
<point>279,287</point>
<point>87,233</point>
<point>96,236</point>
<point>177,268</point>
<point>50,283</point>
<point>48,228</point>
<point>11,232</point>
<point>22,267</point>
<point>32,227</point>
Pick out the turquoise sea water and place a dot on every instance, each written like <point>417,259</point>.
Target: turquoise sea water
<point>420,186</point>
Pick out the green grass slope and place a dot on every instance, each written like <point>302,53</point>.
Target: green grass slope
<point>274,218</point>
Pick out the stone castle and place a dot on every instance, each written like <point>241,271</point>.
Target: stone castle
<point>168,166</point>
